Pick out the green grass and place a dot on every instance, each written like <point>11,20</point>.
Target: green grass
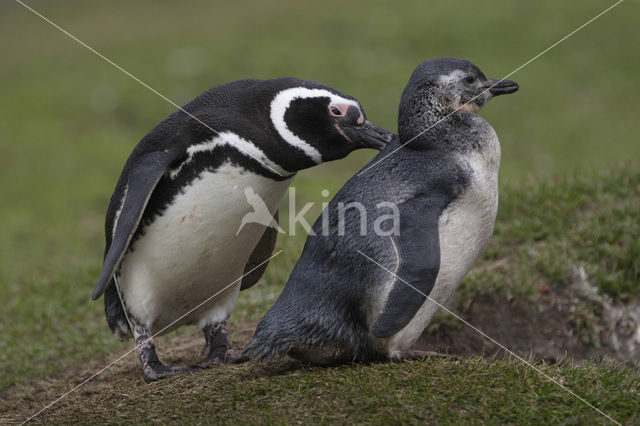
<point>68,121</point>
<point>443,391</point>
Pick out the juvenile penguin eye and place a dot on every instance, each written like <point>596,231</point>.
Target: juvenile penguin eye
<point>335,111</point>
<point>469,79</point>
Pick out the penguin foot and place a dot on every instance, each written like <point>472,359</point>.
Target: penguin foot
<point>157,371</point>
<point>217,349</point>
<point>152,367</point>
<point>414,354</point>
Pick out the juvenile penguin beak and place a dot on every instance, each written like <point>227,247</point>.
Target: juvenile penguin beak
<point>501,87</point>
<point>369,135</point>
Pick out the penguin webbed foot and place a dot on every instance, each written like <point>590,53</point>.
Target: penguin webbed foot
<point>418,355</point>
<point>158,371</point>
<point>152,367</point>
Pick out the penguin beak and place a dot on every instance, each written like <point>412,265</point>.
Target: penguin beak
<point>368,135</point>
<point>501,87</point>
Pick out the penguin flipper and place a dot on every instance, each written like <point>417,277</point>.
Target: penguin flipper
<point>262,252</point>
<point>418,251</point>
<point>142,180</point>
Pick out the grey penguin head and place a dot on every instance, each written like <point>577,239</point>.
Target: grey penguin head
<point>326,124</point>
<point>442,86</point>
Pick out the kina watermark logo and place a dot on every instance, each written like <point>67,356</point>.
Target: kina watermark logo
<point>260,213</point>
<point>383,218</point>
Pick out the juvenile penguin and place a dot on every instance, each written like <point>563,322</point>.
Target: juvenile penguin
<point>423,212</point>
<point>174,236</point>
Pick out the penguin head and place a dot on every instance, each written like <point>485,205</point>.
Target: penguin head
<point>322,123</point>
<point>442,86</point>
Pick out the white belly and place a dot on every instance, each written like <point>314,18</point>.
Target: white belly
<point>465,228</point>
<point>192,252</point>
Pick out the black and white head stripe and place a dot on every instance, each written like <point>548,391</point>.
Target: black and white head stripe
<point>281,103</point>
<point>243,146</point>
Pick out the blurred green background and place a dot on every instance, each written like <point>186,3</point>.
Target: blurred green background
<point>68,120</point>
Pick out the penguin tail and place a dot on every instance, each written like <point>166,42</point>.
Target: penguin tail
<point>257,350</point>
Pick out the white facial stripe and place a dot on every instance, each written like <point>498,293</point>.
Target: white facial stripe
<point>279,107</point>
<point>245,147</point>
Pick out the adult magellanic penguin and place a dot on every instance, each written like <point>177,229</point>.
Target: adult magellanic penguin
<point>430,208</point>
<point>173,226</point>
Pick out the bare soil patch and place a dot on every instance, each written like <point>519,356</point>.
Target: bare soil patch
<point>574,323</point>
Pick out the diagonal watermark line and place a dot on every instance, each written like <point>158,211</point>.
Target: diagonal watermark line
<point>498,82</point>
<point>492,339</point>
<point>145,341</point>
<point>143,83</point>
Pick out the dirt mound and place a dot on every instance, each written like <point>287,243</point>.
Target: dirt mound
<point>575,322</point>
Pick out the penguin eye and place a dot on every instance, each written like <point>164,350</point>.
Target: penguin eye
<point>469,79</point>
<point>335,111</point>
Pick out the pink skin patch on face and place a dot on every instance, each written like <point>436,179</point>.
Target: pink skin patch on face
<point>340,110</point>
